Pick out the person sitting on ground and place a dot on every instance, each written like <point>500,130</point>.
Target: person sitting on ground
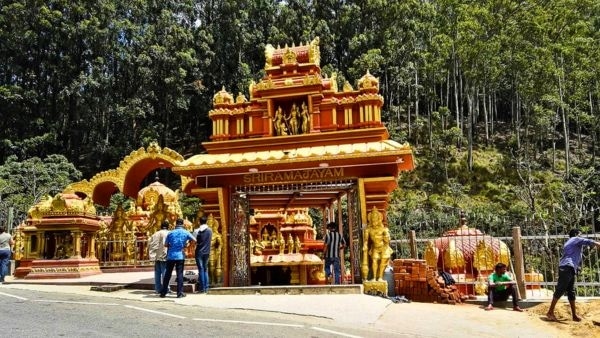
<point>500,286</point>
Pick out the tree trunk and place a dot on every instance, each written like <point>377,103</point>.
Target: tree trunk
<point>485,119</point>
<point>470,99</point>
<point>565,122</point>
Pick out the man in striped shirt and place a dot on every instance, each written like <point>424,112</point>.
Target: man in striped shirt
<point>334,243</point>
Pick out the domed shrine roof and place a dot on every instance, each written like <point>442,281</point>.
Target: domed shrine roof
<point>466,248</point>
<point>148,196</point>
<point>60,205</point>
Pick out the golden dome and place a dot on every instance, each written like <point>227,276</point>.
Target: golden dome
<point>61,204</point>
<point>223,97</point>
<point>368,81</point>
<point>148,196</point>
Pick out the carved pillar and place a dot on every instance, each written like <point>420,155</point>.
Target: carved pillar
<point>40,245</point>
<point>92,246</point>
<point>76,244</point>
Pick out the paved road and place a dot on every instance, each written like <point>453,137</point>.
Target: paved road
<point>253,315</point>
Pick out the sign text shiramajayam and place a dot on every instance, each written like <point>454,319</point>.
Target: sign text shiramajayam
<point>294,175</point>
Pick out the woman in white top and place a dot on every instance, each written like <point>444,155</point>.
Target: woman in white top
<point>6,243</point>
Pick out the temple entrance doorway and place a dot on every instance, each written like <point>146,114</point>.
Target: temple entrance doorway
<point>280,241</point>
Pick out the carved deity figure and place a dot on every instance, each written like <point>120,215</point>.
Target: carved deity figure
<point>64,249</point>
<point>258,247</point>
<point>376,246</point>
<point>278,121</point>
<point>290,244</point>
<point>305,119</point>
<point>119,223</point>
<point>158,215</point>
<point>281,243</point>
<point>297,245</point>
<point>18,245</point>
<point>216,249</point>
<point>291,218</point>
<point>292,120</point>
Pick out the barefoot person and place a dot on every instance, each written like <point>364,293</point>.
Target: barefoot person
<point>500,286</point>
<point>568,266</point>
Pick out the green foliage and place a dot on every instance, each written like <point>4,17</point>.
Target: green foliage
<point>24,183</point>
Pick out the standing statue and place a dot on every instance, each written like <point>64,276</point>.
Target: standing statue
<point>290,244</point>
<point>281,243</point>
<point>297,245</point>
<point>216,248</point>
<point>376,246</point>
<point>305,119</point>
<point>278,121</point>
<point>292,120</point>
<point>159,214</point>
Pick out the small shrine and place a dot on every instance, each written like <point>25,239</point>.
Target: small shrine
<point>283,246</point>
<point>57,239</point>
<point>468,255</point>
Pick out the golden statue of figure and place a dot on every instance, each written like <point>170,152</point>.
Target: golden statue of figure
<point>290,244</point>
<point>119,224</point>
<point>251,243</point>
<point>292,120</point>
<point>159,214</point>
<point>278,121</point>
<point>216,248</point>
<point>483,259</point>
<point>64,249</point>
<point>305,119</point>
<point>376,246</point>
<point>454,258</point>
<point>431,254</point>
<point>281,243</point>
<point>297,245</point>
<point>291,218</point>
<point>258,247</point>
<point>18,245</point>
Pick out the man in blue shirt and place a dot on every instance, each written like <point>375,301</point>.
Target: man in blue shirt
<point>175,243</point>
<point>567,269</point>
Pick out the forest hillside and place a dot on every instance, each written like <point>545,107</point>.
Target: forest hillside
<point>500,99</point>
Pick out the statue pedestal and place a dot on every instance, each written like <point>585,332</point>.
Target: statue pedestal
<point>58,268</point>
<point>379,288</point>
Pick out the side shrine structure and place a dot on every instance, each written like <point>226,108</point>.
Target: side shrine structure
<point>296,142</point>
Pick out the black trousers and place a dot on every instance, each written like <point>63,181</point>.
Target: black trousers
<point>502,295</point>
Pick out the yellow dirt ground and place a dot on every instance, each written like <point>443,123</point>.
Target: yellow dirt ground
<point>589,311</point>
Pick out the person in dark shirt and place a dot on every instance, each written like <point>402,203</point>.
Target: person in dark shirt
<point>334,243</point>
<point>568,267</point>
<point>203,238</point>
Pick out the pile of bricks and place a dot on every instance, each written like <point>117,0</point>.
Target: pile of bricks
<point>420,283</point>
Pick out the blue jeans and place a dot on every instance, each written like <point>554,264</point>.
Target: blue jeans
<point>4,259</point>
<point>159,273</point>
<point>336,268</point>
<point>202,264</point>
<point>178,265</point>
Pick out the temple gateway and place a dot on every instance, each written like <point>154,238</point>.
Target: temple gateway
<point>295,144</point>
